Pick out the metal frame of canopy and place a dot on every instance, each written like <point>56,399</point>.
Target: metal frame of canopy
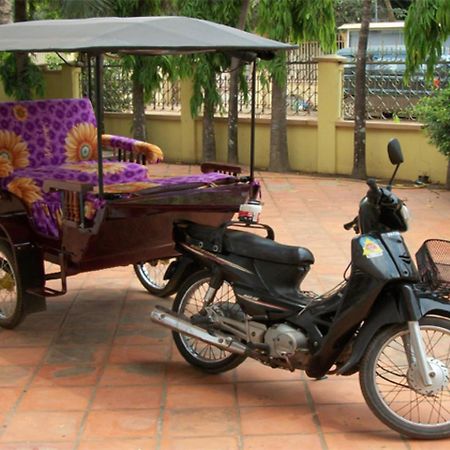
<point>162,35</point>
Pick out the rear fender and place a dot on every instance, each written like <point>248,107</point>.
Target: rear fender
<point>16,232</point>
<point>388,310</point>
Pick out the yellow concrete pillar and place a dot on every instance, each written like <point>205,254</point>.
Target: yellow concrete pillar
<point>64,83</point>
<point>329,90</point>
<point>188,139</point>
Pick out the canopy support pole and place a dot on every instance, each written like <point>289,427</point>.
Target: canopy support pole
<point>253,123</point>
<point>99,114</point>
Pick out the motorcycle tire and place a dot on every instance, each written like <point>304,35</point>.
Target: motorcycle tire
<point>11,302</point>
<point>151,275</point>
<point>188,301</point>
<point>392,386</point>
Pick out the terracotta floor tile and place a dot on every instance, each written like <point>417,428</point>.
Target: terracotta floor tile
<point>200,422</point>
<point>118,444</point>
<point>13,356</point>
<point>206,443</point>
<point>254,371</point>
<point>200,396</point>
<point>282,442</point>
<point>443,444</point>
<point>25,337</point>
<point>39,446</point>
<point>335,390</point>
<point>42,427</point>
<point>269,420</point>
<point>180,372</point>
<point>15,376</point>
<point>369,441</point>
<point>8,398</point>
<point>269,393</point>
<point>138,354</point>
<point>83,335</point>
<point>128,397</point>
<point>133,374</point>
<point>56,399</point>
<point>135,335</point>
<point>354,417</point>
<point>66,375</point>
<point>121,424</point>
<point>76,354</point>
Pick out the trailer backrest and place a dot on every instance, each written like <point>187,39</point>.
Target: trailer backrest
<point>46,132</point>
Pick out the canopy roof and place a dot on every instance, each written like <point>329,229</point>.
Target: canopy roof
<point>142,35</point>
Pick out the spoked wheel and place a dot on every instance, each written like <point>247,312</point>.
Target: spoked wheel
<point>151,275</point>
<point>11,306</point>
<point>392,385</point>
<point>189,301</point>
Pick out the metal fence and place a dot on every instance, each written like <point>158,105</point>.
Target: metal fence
<point>388,96</point>
<point>301,88</point>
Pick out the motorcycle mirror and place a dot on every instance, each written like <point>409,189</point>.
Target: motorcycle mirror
<point>395,152</point>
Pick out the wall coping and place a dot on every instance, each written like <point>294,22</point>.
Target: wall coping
<point>382,125</point>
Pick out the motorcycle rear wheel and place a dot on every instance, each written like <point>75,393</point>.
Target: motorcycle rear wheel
<point>392,387</point>
<point>189,301</point>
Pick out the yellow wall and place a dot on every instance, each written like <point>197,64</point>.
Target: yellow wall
<point>323,144</point>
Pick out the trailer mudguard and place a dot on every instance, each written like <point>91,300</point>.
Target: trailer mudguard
<point>15,230</point>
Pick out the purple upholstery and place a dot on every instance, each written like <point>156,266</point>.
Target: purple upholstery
<point>57,140</point>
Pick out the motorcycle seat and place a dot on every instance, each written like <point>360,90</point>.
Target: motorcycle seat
<point>253,246</point>
<point>245,244</point>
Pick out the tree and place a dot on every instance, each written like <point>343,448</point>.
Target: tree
<point>146,72</point>
<point>427,26</point>
<point>295,21</point>
<point>234,92</point>
<point>21,78</point>
<point>434,112</point>
<point>5,11</point>
<point>203,69</point>
<point>359,153</point>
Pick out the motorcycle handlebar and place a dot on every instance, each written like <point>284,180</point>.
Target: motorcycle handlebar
<point>374,192</point>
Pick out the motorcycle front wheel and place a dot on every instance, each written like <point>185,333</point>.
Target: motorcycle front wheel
<point>189,301</point>
<point>393,388</point>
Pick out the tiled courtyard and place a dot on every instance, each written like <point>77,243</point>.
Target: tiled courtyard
<point>93,372</point>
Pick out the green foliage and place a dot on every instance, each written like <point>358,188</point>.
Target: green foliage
<point>427,26</point>
<point>203,69</point>
<point>23,87</point>
<point>296,21</point>
<point>72,9</point>
<point>434,112</point>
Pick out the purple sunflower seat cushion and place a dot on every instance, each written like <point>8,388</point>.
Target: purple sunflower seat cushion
<point>57,139</point>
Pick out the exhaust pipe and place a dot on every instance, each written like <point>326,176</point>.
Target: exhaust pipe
<point>181,324</point>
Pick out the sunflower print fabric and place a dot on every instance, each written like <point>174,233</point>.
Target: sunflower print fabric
<point>57,140</point>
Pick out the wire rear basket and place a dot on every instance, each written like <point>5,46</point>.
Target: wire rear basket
<point>433,262</point>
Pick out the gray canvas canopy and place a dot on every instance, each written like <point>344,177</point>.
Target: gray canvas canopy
<point>168,35</point>
<point>143,35</point>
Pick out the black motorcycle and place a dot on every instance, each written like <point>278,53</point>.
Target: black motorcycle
<point>386,320</point>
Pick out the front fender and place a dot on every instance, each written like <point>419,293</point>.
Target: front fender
<point>389,310</point>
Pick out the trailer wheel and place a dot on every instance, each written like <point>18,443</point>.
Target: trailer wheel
<point>11,301</point>
<point>152,273</point>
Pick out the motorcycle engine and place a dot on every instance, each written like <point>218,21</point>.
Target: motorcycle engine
<point>285,341</point>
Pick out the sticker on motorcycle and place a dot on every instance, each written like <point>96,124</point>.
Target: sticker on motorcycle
<point>371,249</point>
